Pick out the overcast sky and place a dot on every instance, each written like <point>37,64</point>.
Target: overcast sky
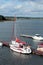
<point>27,8</point>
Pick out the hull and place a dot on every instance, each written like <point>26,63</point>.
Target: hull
<point>38,38</point>
<point>20,50</point>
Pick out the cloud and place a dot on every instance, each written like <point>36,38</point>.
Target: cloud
<point>21,7</point>
<point>18,6</point>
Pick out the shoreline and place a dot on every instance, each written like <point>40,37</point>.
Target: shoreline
<point>10,18</point>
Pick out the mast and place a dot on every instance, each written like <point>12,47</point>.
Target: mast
<point>14,27</point>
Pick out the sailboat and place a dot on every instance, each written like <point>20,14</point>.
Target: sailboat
<point>19,46</point>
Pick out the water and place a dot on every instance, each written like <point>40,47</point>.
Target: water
<point>31,27</point>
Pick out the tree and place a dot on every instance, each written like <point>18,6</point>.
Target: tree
<point>2,17</point>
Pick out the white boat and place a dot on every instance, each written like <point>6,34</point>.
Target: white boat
<point>20,47</point>
<point>35,37</point>
<point>38,37</point>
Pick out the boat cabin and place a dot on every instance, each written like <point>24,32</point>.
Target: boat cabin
<point>38,35</point>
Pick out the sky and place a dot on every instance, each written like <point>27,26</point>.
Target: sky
<point>22,8</point>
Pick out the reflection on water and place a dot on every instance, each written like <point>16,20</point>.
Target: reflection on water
<point>37,41</point>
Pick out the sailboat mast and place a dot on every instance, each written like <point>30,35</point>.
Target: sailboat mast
<point>14,30</point>
<point>14,33</point>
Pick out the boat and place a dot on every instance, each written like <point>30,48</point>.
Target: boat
<point>4,43</point>
<point>20,46</point>
<point>35,37</point>
<point>38,37</point>
<point>17,45</point>
<point>39,50</point>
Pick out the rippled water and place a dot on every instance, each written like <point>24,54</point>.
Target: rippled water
<point>31,27</point>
